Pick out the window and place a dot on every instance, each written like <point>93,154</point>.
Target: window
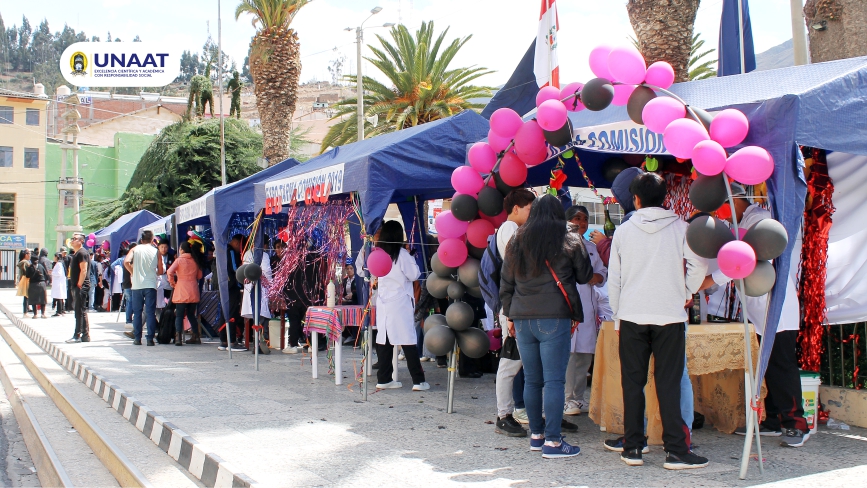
<point>31,158</point>
<point>32,116</point>
<point>7,213</point>
<point>6,115</point>
<point>5,157</point>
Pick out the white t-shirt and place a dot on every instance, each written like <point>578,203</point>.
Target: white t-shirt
<point>504,235</point>
<point>144,267</point>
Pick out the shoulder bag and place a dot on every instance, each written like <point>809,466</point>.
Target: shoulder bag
<point>565,295</point>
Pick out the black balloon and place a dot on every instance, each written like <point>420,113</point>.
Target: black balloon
<point>474,342</point>
<point>490,201</point>
<point>637,101</point>
<point>438,286</point>
<point>708,193</point>
<point>768,238</point>
<point>761,280</point>
<point>240,273</point>
<point>475,292</point>
<point>460,316</point>
<point>465,207</point>
<point>561,136</point>
<point>439,340</point>
<point>706,235</point>
<point>253,272</point>
<point>703,116</point>
<point>456,290</point>
<point>468,273</point>
<point>475,252</point>
<point>612,167</point>
<point>502,187</point>
<point>441,269</point>
<point>597,94</point>
<point>434,320</point>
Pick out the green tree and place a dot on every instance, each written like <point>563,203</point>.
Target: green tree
<point>700,69</point>
<point>24,58</point>
<point>424,87</point>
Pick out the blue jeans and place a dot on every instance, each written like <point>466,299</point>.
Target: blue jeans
<point>687,407</point>
<point>127,300</point>
<point>91,294</point>
<point>544,346</point>
<point>144,300</point>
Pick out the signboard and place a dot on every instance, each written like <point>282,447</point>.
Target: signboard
<point>621,137</point>
<point>13,241</point>
<point>295,187</point>
<point>120,63</point>
<point>193,210</point>
<point>434,208</point>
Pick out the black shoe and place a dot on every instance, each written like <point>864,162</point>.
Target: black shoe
<point>129,334</point>
<point>616,445</point>
<point>510,427</point>
<point>151,342</point>
<point>632,457</point>
<point>136,342</point>
<point>74,340</point>
<point>794,438</point>
<point>763,431</point>
<point>85,338</point>
<point>567,426</point>
<point>375,365</point>
<point>684,461</point>
<point>474,375</point>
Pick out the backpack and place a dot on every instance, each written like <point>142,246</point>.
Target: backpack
<point>166,325</point>
<point>489,274</point>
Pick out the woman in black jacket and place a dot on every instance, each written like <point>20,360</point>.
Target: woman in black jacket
<point>538,288</point>
<point>39,277</point>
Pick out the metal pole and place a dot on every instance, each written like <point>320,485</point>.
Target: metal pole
<point>256,309</point>
<point>453,366</point>
<point>359,38</point>
<point>220,81</point>
<point>422,235</point>
<point>367,355</point>
<point>741,35</point>
<point>799,37</point>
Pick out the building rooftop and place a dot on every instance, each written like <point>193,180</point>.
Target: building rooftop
<point>9,93</point>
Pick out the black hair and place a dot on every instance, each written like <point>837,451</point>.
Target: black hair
<point>240,237</point>
<point>649,188</point>
<point>520,197</point>
<point>391,239</point>
<point>194,251</point>
<point>574,210</point>
<point>147,237</point>
<point>22,253</point>
<point>540,239</point>
<point>43,252</point>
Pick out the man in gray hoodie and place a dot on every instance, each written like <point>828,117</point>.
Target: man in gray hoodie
<point>652,275</point>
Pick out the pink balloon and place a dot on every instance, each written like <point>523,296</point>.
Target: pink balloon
<point>497,221</point>
<point>535,158</point>
<point>379,262</point>
<point>513,171</point>
<point>660,74</point>
<point>660,112</point>
<point>681,137</point>
<point>92,236</point>
<point>709,158</point>
<point>729,127</point>
<point>497,142</point>
<point>90,242</point>
<point>482,158</point>
<point>599,61</point>
<point>547,93</point>
<point>627,65</point>
<point>573,104</point>
<point>736,259</point>
<point>530,138</point>
<point>621,94</point>
<point>478,232</point>
<point>552,114</point>
<point>452,252</point>
<point>106,245</point>
<point>449,226</point>
<point>506,122</point>
<point>467,180</point>
<point>750,165</point>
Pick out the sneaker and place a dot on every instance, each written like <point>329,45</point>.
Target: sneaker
<point>684,461</point>
<point>401,357</point>
<point>238,348</point>
<point>794,438</point>
<point>292,350</point>
<point>74,340</point>
<point>520,416</point>
<point>424,359</point>
<point>424,385</point>
<point>561,451</point>
<point>567,426</point>
<point>389,385</point>
<point>763,431</point>
<point>616,445</point>
<point>221,347</point>
<point>574,408</point>
<point>151,342</point>
<point>375,365</point>
<point>136,342</point>
<point>85,338</point>
<point>509,427</point>
<point>129,334</point>
<point>631,457</point>
<point>536,444</point>
<point>126,326</point>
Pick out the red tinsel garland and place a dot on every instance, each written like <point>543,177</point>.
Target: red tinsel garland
<point>814,261</point>
<point>677,199</point>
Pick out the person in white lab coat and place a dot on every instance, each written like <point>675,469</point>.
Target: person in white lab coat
<point>58,284</point>
<point>395,324</point>
<point>164,289</point>
<point>247,301</point>
<point>584,338</point>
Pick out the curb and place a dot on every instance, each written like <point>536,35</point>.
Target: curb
<point>192,455</point>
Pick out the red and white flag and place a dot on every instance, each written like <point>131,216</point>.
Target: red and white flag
<point>546,67</point>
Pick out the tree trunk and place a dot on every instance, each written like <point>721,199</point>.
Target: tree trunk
<point>845,33</point>
<point>275,67</point>
<point>664,31</point>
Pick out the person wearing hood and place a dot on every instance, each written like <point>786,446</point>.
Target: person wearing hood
<point>652,275</point>
<point>621,191</point>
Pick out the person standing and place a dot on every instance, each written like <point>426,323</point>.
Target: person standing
<point>58,285</point>
<point>538,289</point>
<point>395,321</point>
<point>620,190</point>
<point>143,264</point>
<point>648,292</point>
<point>38,276</point>
<point>79,276</point>
<point>183,276</point>
<point>23,282</point>
<point>263,284</point>
<point>67,264</point>
<point>230,334</point>
<point>164,289</point>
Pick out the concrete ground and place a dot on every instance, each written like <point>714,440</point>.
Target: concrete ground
<point>283,428</point>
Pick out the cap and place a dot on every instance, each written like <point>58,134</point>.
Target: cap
<point>574,210</point>
<point>63,249</point>
<point>738,190</point>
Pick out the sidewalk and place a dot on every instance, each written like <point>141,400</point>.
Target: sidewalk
<point>280,427</point>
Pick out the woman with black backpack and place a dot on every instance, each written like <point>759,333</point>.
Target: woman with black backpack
<point>39,278</point>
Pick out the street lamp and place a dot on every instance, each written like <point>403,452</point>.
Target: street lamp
<point>359,39</point>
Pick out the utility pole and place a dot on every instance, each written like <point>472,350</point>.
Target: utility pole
<point>220,81</point>
<point>359,85</point>
<point>799,36</point>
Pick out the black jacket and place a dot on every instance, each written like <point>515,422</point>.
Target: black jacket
<point>540,297</point>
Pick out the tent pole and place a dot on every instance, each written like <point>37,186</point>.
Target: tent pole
<point>256,310</point>
<point>453,367</point>
<point>741,36</point>
<point>422,237</point>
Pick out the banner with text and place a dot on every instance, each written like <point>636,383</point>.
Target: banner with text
<point>621,137</point>
<point>295,188</point>
<point>193,210</point>
<point>110,64</point>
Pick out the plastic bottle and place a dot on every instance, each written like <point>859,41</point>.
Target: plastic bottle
<point>331,295</point>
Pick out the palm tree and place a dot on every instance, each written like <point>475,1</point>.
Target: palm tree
<point>664,30</point>
<point>275,66</point>
<point>698,69</point>
<point>423,86</point>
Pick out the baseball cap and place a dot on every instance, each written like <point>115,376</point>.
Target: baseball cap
<point>738,190</point>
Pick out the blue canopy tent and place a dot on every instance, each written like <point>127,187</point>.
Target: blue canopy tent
<point>161,226</point>
<point>126,228</point>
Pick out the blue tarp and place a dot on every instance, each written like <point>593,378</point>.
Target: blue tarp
<point>161,226</point>
<point>729,48</point>
<point>126,228</point>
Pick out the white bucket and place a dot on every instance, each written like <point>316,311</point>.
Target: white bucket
<point>810,392</point>
<point>274,333</point>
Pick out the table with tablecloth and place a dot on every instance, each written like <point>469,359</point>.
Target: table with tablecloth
<point>331,321</point>
<point>715,358</point>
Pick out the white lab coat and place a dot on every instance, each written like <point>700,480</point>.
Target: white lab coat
<point>246,303</point>
<point>163,284</point>
<point>58,282</point>
<point>584,338</point>
<point>117,282</point>
<point>394,302</point>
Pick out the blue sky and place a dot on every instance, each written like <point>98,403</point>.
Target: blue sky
<point>502,29</point>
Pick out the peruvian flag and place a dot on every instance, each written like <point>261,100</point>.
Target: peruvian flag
<point>545,64</point>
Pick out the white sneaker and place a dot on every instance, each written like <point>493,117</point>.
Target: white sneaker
<point>424,359</point>
<point>291,350</point>
<point>390,385</point>
<point>574,408</point>
<point>421,386</point>
<point>401,357</point>
<point>520,415</point>
<point>127,326</point>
